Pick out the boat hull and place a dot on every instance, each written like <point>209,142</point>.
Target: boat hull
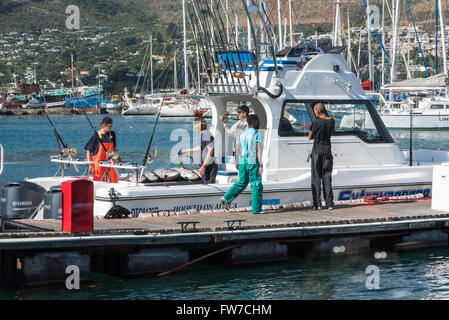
<point>175,111</point>
<point>149,111</point>
<point>209,199</point>
<point>420,122</point>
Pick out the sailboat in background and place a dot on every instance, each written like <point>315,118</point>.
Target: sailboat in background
<point>420,103</point>
<point>143,104</point>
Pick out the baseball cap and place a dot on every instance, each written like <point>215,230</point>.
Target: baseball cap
<point>243,108</point>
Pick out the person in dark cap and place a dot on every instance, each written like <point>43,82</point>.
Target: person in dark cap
<point>97,148</point>
<point>239,126</point>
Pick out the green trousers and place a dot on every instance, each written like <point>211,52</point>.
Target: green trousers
<point>248,174</point>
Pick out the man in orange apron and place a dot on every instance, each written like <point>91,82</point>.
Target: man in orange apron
<point>97,147</point>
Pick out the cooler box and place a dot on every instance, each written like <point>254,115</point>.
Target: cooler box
<point>440,188</point>
<point>78,206</point>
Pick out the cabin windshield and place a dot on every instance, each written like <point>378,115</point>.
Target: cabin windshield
<point>351,118</point>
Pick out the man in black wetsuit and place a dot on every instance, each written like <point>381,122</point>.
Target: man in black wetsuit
<point>322,159</point>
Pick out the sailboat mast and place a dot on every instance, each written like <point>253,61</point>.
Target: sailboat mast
<point>395,9</point>
<point>368,30</point>
<point>151,63</point>
<point>236,31</point>
<point>186,73</point>
<point>290,20</point>
<point>249,28</point>
<point>175,75</point>
<point>349,42</point>
<point>383,41</point>
<point>280,24</point>
<point>227,21</point>
<point>285,33</point>
<point>443,37</point>
<point>337,24</point>
<point>198,66</point>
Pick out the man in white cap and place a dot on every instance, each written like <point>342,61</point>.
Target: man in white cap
<point>239,126</point>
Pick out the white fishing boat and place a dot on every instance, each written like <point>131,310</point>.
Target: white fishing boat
<point>367,162</point>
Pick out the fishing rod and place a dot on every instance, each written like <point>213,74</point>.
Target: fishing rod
<point>112,155</point>
<point>225,45</point>
<point>61,145</point>
<point>236,73</point>
<point>206,33</point>
<point>202,45</point>
<point>241,74</point>
<point>216,33</point>
<point>147,157</point>
<point>64,149</point>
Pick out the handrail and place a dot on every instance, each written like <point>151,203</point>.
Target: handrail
<point>1,159</point>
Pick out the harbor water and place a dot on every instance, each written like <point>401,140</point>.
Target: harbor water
<point>29,142</point>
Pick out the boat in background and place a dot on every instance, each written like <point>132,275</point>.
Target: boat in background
<point>422,103</point>
<point>114,105</point>
<point>141,105</point>
<point>56,98</point>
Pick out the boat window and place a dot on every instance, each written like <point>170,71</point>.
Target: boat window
<point>295,120</point>
<point>354,119</point>
<point>231,110</point>
<point>437,106</point>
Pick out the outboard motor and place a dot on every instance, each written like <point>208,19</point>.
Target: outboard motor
<point>19,199</point>
<point>53,203</point>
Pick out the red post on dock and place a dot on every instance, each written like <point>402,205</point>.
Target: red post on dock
<point>78,206</point>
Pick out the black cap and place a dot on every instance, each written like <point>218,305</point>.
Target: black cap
<point>106,120</point>
<point>243,108</point>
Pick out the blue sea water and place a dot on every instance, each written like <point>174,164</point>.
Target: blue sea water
<point>29,142</point>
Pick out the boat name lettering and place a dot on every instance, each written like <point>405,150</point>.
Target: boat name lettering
<point>199,207</point>
<point>136,211</point>
<point>351,195</point>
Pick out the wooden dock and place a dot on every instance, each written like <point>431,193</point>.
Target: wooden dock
<point>129,247</point>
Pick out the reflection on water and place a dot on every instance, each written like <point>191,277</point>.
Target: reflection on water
<point>405,275</point>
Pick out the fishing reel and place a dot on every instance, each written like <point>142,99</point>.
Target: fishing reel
<point>70,152</point>
<point>239,75</point>
<point>113,155</point>
<point>152,157</point>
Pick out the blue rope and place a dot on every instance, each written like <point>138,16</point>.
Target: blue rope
<point>417,37</point>
<point>300,27</point>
